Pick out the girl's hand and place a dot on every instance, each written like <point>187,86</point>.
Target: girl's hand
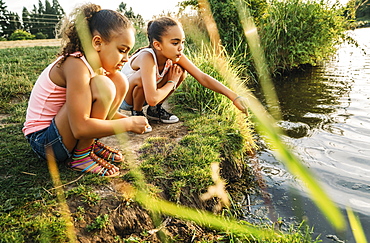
<point>242,104</point>
<point>139,124</point>
<point>175,73</point>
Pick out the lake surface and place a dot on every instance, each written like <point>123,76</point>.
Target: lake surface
<point>326,116</point>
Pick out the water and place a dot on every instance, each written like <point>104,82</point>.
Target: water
<point>326,115</point>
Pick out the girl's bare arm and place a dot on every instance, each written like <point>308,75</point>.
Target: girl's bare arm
<point>204,79</point>
<point>148,68</point>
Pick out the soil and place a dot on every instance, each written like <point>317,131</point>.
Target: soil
<point>127,219</point>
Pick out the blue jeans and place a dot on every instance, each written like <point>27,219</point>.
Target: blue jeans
<point>48,138</point>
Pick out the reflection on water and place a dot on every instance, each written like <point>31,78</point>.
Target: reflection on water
<point>326,116</point>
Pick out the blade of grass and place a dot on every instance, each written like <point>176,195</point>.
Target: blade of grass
<point>64,209</point>
<point>200,217</point>
<point>85,38</point>
<point>253,39</point>
<point>356,227</point>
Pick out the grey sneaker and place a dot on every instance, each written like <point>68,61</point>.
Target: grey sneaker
<point>158,113</point>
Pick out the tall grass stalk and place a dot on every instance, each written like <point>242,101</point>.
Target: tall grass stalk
<point>85,36</point>
<point>258,55</point>
<point>266,125</point>
<point>203,218</point>
<point>356,227</point>
<point>64,210</point>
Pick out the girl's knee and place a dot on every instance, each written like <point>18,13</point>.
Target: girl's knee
<point>135,80</point>
<point>102,87</point>
<point>120,81</point>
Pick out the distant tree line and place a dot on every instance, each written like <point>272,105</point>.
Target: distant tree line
<point>42,21</point>
<point>363,9</point>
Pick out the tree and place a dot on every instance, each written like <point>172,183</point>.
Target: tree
<point>43,20</point>
<point>26,20</point>
<point>363,9</point>
<point>3,18</point>
<point>137,19</point>
<point>58,10</point>
<point>9,21</point>
<point>14,23</point>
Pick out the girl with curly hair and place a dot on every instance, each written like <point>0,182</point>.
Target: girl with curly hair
<point>72,105</point>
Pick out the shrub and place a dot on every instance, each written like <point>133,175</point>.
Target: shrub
<point>41,35</point>
<point>300,32</point>
<point>21,35</point>
<point>292,33</point>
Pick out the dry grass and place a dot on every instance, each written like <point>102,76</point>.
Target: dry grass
<point>29,43</point>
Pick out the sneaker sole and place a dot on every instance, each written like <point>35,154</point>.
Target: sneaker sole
<point>163,121</point>
<point>152,118</point>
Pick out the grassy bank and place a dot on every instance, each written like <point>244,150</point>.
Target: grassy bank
<point>176,170</point>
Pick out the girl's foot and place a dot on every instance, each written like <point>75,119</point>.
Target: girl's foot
<point>158,113</point>
<point>86,161</point>
<point>107,153</point>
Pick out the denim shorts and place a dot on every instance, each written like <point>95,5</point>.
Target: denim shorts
<point>125,106</point>
<point>49,138</point>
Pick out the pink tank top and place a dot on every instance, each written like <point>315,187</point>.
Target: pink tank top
<point>46,99</point>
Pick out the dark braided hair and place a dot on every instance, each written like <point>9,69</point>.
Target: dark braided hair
<point>100,21</point>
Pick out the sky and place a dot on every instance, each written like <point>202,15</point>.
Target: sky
<point>146,8</point>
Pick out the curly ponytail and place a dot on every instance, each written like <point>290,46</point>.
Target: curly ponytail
<point>101,21</point>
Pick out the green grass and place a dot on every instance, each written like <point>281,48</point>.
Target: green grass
<point>182,169</point>
<point>30,210</point>
<point>19,69</point>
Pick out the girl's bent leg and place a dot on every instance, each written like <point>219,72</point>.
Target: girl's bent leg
<point>103,95</point>
<point>135,96</point>
<point>84,159</point>
<point>103,92</point>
